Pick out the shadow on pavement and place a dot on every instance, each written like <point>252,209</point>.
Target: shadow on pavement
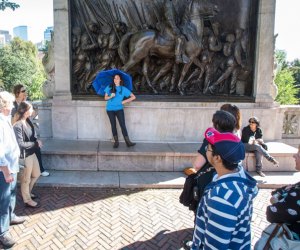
<point>53,198</point>
<point>163,240</point>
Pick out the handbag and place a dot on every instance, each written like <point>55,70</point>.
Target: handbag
<point>195,185</point>
<point>277,236</point>
<point>22,160</point>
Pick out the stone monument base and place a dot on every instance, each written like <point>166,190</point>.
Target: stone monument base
<point>158,122</point>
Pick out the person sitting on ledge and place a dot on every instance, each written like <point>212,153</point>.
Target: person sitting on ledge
<point>252,137</point>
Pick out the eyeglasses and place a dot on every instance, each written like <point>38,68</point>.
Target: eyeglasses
<point>206,149</point>
<point>23,91</point>
<point>252,122</point>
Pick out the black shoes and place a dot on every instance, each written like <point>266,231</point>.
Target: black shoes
<point>128,142</point>
<point>32,206</point>
<point>275,162</point>
<point>116,143</point>
<point>17,220</point>
<point>7,241</point>
<point>260,173</point>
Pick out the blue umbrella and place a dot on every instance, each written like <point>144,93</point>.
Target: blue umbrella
<point>105,78</point>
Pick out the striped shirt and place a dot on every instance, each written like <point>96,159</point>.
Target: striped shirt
<point>224,213</point>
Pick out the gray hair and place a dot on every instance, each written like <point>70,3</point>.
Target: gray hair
<point>6,100</point>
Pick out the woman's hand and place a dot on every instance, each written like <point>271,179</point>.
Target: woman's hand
<point>40,143</point>
<point>107,97</point>
<point>260,141</point>
<point>130,99</point>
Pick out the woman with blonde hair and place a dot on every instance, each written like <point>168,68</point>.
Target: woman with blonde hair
<point>29,145</point>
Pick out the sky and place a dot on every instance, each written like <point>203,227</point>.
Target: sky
<point>38,15</point>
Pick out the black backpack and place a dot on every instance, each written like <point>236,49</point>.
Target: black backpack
<point>195,185</point>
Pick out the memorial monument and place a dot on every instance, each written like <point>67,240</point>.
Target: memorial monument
<point>187,58</point>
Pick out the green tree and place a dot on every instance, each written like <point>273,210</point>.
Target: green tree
<point>287,90</point>
<point>285,81</point>
<point>280,57</point>
<point>5,4</point>
<point>19,63</point>
<point>295,68</point>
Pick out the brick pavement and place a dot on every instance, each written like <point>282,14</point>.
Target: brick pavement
<point>113,219</point>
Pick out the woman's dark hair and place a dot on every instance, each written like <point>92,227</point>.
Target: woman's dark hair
<point>235,111</point>
<point>227,165</point>
<point>224,121</point>
<point>255,120</point>
<point>17,89</point>
<point>113,86</point>
<point>22,109</point>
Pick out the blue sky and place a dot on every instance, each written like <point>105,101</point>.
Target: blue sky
<point>38,15</point>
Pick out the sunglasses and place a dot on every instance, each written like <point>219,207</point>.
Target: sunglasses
<point>252,122</point>
<point>206,149</point>
<point>23,91</point>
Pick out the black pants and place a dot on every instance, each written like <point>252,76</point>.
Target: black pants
<point>39,157</point>
<point>121,118</point>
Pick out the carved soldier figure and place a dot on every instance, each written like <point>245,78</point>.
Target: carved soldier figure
<point>171,21</point>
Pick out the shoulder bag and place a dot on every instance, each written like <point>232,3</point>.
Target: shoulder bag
<point>194,187</point>
<point>277,236</point>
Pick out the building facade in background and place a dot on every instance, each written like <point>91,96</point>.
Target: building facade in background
<point>47,33</point>
<point>21,32</point>
<point>5,37</point>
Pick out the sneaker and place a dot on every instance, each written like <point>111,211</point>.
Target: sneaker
<point>17,220</point>
<point>45,174</point>
<point>259,172</point>
<point>276,163</point>
<point>7,241</point>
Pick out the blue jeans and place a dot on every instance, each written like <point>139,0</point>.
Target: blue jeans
<point>121,118</point>
<point>7,202</point>
<point>259,152</point>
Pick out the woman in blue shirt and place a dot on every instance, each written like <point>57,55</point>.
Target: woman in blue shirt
<point>114,95</point>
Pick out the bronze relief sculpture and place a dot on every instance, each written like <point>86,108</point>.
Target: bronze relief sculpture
<point>171,47</point>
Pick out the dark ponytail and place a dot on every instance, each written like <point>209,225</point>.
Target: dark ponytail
<point>22,109</point>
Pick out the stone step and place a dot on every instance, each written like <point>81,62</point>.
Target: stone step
<point>116,179</point>
<point>168,157</point>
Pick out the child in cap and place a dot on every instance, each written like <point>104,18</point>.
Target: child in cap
<point>225,211</point>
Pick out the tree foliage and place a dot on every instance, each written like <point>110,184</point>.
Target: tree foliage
<point>6,4</point>
<point>288,89</point>
<point>19,64</point>
<point>280,57</point>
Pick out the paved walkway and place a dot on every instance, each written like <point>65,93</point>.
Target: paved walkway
<point>127,219</point>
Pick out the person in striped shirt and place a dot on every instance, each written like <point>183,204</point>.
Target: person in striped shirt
<point>224,213</point>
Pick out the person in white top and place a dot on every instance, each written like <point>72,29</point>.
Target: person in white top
<point>9,167</point>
